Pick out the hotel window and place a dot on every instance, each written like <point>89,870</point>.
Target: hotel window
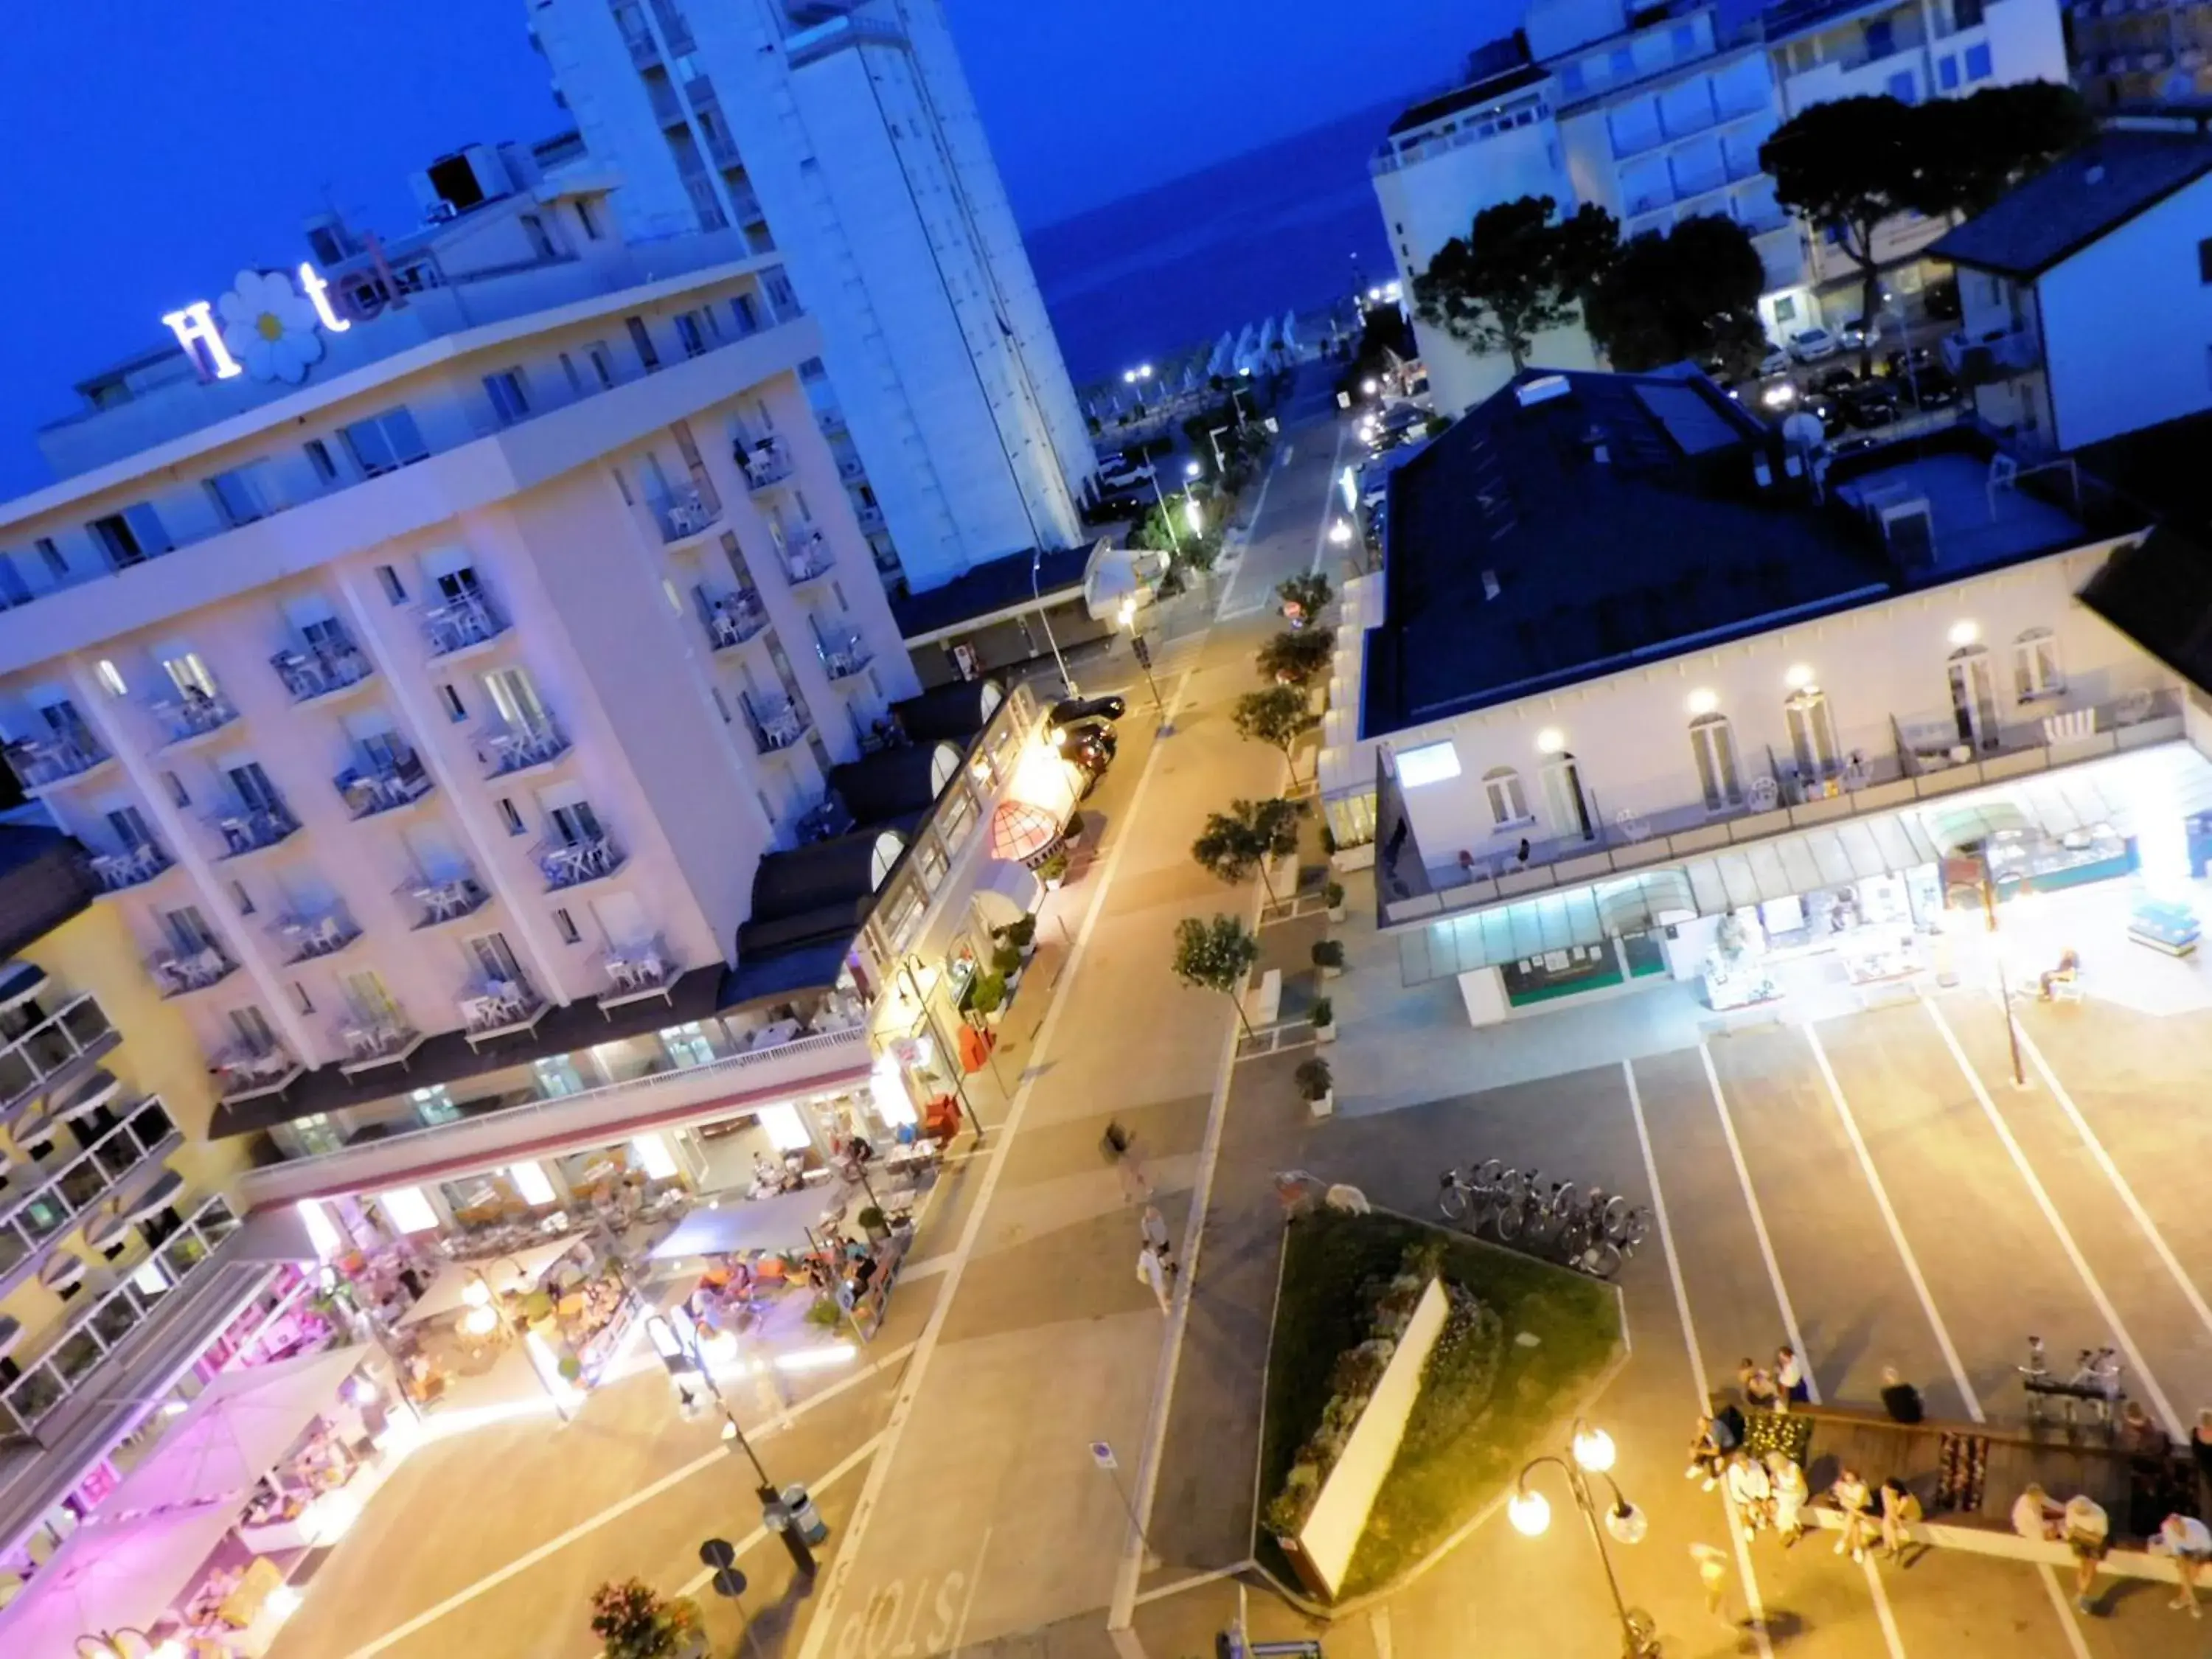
<point>575,379</point>
<point>253,1030</point>
<point>435,1105</point>
<point>510,399</point>
<point>316,1134</point>
<point>2035,668</point>
<point>1977,62</point>
<point>131,537</point>
<point>643,342</point>
<point>238,496</point>
<point>688,1044</point>
<point>1565,799</point>
<point>557,1075</point>
<point>565,924</point>
<point>603,363</point>
<point>1712,744</point>
<point>318,457</point>
<point>56,565</point>
<point>1432,763</point>
<point>743,311</point>
<point>175,786</point>
<point>510,817</point>
<point>1508,801</point>
<point>688,335</point>
<point>394,589</point>
<point>385,442</point>
<point>450,699</point>
<point>1812,731</point>
<point>588,217</point>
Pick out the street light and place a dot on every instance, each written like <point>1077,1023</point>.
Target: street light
<point>1036,563</point>
<point>1591,1452</point>
<point>1340,533</point>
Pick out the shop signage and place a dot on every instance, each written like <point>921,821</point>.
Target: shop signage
<point>265,328</point>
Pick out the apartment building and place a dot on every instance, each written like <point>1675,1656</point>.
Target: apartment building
<point>1788,700</point>
<point>2134,52</point>
<point>842,133</point>
<point>1657,114</point>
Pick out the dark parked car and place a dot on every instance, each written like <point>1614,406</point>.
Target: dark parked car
<point>1942,299</point>
<point>1869,403</point>
<point>1091,747</point>
<point>1822,406</point>
<point>1835,380</point>
<point>1920,376</point>
<point>1857,445</point>
<point>1069,710</point>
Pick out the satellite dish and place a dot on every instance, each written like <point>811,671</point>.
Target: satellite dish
<point>1802,430</point>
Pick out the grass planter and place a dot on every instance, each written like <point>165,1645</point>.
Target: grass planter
<point>1484,1408</point>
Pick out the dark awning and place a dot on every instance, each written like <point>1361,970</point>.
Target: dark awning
<point>954,713</point>
<point>893,784</point>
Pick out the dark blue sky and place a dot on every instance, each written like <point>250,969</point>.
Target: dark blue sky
<point>152,149</point>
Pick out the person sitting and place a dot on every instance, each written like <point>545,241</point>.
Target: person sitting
<point>2034,1515</point>
<point>1751,1491</point>
<point>1852,1497</point>
<point>1707,1459</point>
<point>1759,1387</point>
<point>1900,1511</point>
<point>1728,1424</point>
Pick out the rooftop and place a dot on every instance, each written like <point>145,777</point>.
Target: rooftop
<point>990,592</point>
<point>1490,88</point>
<point>2159,593</point>
<point>1581,524</point>
<point>44,882</point>
<point>2088,195</point>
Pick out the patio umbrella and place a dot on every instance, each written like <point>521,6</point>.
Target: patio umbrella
<point>1023,832</point>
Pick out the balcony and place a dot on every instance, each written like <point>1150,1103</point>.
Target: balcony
<point>134,866</point>
<point>685,516</point>
<point>512,750</point>
<point>731,619</point>
<point>44,1051</point>
<point>851,469</point>
<point>1995,354</point>
<point>764,464</point>
<point>249,1074</point>
<point>47,1211</point>
<point>434,901</point>
<point>180,973</point>
<point>385,787</point>
<point>644,49</point>
<point>842,659</point>
<point>368,1044</point>
<point>460,625</point>
<point>324,669</point>
<point>871,518</point>
<point>247,831</point>
<point>775,726</point>
<point>45,763</point>
<point>306,938</point>
<point>193,717</point>
<point>499,1007</point>
<point>566,864</point>
<point>807,558</point>
<point>722,150</point>
<point>638,974</point>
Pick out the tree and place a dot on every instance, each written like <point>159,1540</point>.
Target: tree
<point>1278,715</point>
<point>1691,295</point>
<point>1972,151</point>
<point>1298,658</point>
<point>1242,840</point>
<point>1515,274</point>
<point>1847,164</point>
<point>1217,956</point>
<point>1304,596</point>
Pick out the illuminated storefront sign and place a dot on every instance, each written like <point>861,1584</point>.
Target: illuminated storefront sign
<point>264,328</point>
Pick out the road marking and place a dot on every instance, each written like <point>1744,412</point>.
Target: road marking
<point>1890,1634</point>
<point>1221,612</point>
<point>1697,1358</point>
<point>926,1346</point>
<point>1896,1233</point>
<point>1196,1581</point>
<point>1379,1622</point>
<point>2069,1617</point>
<point>1759,1223</point>
<point>2174,1424</point>
<point>2135,1208</point>
<point>1328,505</point>
<point>843,1466</point>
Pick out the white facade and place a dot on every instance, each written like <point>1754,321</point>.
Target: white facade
<point>404,702</point>
<point>845,135</point>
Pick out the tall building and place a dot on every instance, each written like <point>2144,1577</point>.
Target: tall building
<point>842,134</point>
<point>1657,115</point>
<point>2139,51</point>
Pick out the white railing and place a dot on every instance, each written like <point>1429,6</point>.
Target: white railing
<point>765,463</point>
<point>494,1005</point>
<point>321,669</point>
<point>455,624</point>
<point>132,867</point>
<point>40,762</point>
<point>808,558</point>
<point>571,863</point>
<point>309,937</point>
<point>250,828</point>
<point>178,972</point>
<point>195,715</point>
<point>504,749</point>
<point>241,1071</point>
<point>445,901</point>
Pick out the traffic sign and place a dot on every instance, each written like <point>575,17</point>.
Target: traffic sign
<point>1103,1455</point>
<point>1142,647</point>
<point>718,1552</point>
<point>729,1582</point>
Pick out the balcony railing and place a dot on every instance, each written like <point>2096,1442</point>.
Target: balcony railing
<point>639,971</point>
<point>247,829</point>
<point>687,513</point>
<point>567,864</point>
<point>808,558</point>
<point>1993,355</point>
<point>732,618</point>
<point>722,149</point>
<point>40,763</point>
<point>775,726</point>
<point>436,900</point>
<point>243,1072</point>
<point>49,1047</point>
<point>461,624</point>
<point>369,1043</point>
<point>196,715</point>
<point>323,669</point>
<point>180,973</point>
<point>494,1008</point>
<point>134,866</point>
<point>842,659</point>
<point>506,750</point>
<point>385,787</point>
<point>47,1211</point>
<point>765,463</point>
<point>305,938</point>
<point>871,518</point>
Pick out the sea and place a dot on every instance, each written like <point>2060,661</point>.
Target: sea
<point>1286,226</point>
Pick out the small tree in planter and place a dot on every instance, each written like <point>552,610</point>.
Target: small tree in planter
<point>1245,837</point>
<point>1073,834</point>
<point>1277,716</point>
<point>1318,1086</point>
<point>1217,956</point>
<point>989,997</point>
<point>1329,957</point>
<point>1298,658</point>
<point>1053,871</point>
<point>1021,933</point>
<point>635,1622</point>
<point>1007,961</point>
<point>1324,1020</point>
<point>1303,598</point>
<point>1332,896</point>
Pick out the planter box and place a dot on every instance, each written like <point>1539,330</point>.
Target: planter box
<point>1325,1106</point>
<point>1325,1033</point>
<point>1335,913</point>
<point>1328,972</point>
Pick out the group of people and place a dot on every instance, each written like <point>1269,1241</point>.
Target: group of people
<point>2082,1526</point>
<point>1773,1492</point>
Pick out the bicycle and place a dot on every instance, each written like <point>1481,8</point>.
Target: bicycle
<point>1465,1198</point>
<point>1533,1213</point>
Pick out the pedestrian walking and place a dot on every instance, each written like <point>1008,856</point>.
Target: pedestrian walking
<point>2086,1527</point>
<point>1852,1497</point>
<point>1791,1494</point>
<point>1150,1272</point>
<point>1790,1377</point>
<point>1713,1575</point>
<point>1154,1227</point>
<point>1899,1398</point>
<point>1120,1149</point>
<point>1900,1512</point>
<point>2189,1541</point>
<point>1750,1491</point>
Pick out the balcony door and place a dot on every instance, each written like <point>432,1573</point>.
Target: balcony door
<point>254,1031</point>
<point>1812,732</point>
<point>515,696</point>
<point>189,674</point>
<point>575,823</point>
<point>494,958</point>
<point>255,792</point>
<point>1565,800</point>
<point>371,1001</point>
<point>188,930</point>
<point>1974,698</point>
<point>461,583</point>
<point>130,827</point>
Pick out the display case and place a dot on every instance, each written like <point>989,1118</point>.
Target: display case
<point>2164,925</point>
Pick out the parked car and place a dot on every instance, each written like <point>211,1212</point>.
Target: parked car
<point>1822,406</point>
<point>1921,378</point>
<point>1857,445</point>
<point>1776,361</point>
<point>1835,380</point>
<point>1070,711</point>
<point>1942,299</point>
<point>1860,333</point>
<point>1091,747</point>
<point>1809,345</point>
<point>1867,403</point>
<point>1123,475</point>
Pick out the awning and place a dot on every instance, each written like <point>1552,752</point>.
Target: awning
<point>780,1223</point>
<point>68,1103</point>
<point>447,1292</point>
<point>1790,865</point>
<point>1967,828</point>
<point>118,1577</point>
<point>1640,902</point>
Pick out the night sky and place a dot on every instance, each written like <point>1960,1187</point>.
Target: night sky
<point>154,148</point>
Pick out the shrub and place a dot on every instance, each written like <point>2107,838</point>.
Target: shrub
<point>1328,953</point>
<point>1324,1011</point>
<point>1019,932</point>
<point>990,991</point>
<point>1327,842</point>
<point>1314,1080</point>
<point>1054,868</point>
<point>1333,895</point>
<point>634,1622</point>
<point>1006,959</point>
<point>872,1219</point>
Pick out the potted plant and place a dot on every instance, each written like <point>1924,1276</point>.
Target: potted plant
<point>1332,896</point>
<point>1317,1087</point>
<point>1324,1020</point>
<point>989,997</point>
<point>633,1621</point>
<point>1329,957</point>
<point>1007,961</point>
<point>1053,872</point>
<point>873,1223</point>
<point>1072,835</point>
<point>1021,935</point>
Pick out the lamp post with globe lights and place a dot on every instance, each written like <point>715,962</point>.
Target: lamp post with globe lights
<point>1591,1452</point>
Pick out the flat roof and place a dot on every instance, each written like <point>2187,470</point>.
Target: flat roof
<point>988,591</point>
<point>1578,524</point>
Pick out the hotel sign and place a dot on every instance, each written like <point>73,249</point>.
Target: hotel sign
<point>264,328</point>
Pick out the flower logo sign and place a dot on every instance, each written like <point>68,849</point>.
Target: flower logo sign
<point>267,329</point>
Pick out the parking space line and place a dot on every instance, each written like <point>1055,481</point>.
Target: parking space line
<point>1697,1360</point>
<point>1896,1232</point>
<point>2174,1424</point>
<point>2068,1618</point>
<point>1883,1616</point>
<point>1758,1221</point>
<point>2158,1245</point>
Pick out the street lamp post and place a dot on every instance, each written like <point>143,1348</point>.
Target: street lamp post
<point>1036,563</point>
<point>1175,542</point>
<point>1591,1453</point>
<point>1127,616</point>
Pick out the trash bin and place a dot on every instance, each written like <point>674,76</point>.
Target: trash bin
<point>803,1514</point>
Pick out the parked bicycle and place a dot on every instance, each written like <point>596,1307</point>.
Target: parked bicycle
<point>1466,1198</point>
